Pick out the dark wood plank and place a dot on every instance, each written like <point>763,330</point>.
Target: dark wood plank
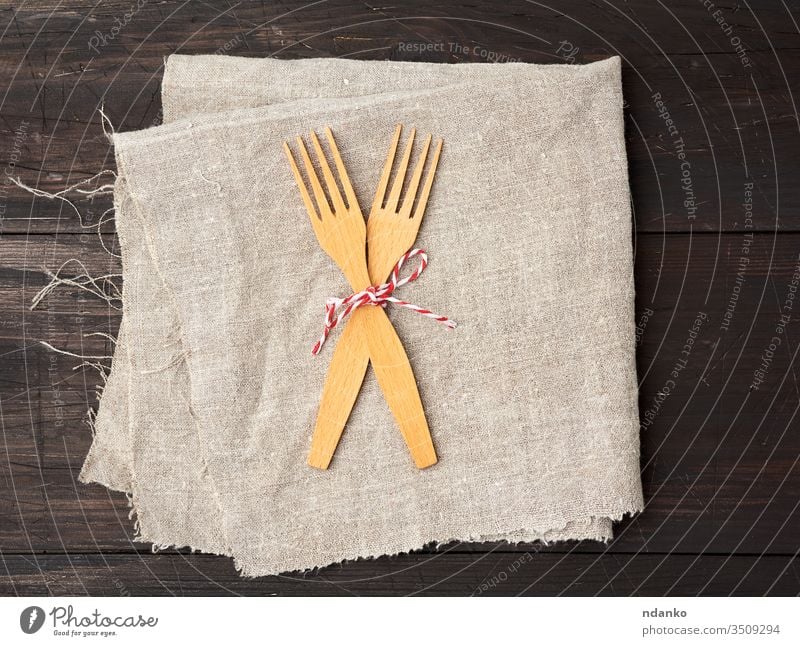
<point>739,124</point>
<point>525,573</point>
<point>720,461</point>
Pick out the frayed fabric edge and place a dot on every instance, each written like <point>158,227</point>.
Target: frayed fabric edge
<point>142,534</point>
<point>251,572</point>
<point>102,287</point>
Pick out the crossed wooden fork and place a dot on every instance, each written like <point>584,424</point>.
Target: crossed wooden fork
<point>389,232</point>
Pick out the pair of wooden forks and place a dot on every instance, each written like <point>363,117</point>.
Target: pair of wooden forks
<point>389,232</point>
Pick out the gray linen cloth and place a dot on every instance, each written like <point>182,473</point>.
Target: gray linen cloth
<point>532,401</point>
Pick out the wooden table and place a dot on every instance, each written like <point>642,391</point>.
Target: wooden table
<point>716,242</point>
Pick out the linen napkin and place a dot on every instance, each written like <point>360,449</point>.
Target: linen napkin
<point>207,415</point>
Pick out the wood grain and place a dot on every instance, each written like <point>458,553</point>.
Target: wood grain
<point>451,573</point>
<point>738,123</point>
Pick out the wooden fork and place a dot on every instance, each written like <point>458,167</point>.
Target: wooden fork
<point>391,231</point>
<point>341,232</point>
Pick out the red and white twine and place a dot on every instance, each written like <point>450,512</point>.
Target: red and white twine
<point>337,309</point>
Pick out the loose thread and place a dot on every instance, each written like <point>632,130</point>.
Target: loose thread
<point>91,418</point>
<point>72,354</point>
<point>102,369</point>
<point>98,226</point>
<point>100,286</point>
<point>104,335</point>
<point>89,361</point>
<point>173,362</point>
<point>105,120</point>
<point>133,515</point>
<point>109,134</point>
<point>104,189</point>
<point>97,285</point>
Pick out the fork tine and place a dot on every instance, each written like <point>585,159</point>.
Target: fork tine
<point>426,188</point>
<point>408,200</point>
<point>330,182</point>
<point>319,194</point>
<point>312,212</point>
<point>344,180</point>
<point>387,170</point>
<point>400,176</point>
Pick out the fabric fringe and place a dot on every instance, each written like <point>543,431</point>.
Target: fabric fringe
<point>78,187</point>
<point>81,189</point>
<point>101,286</point>
<point>73,354</point>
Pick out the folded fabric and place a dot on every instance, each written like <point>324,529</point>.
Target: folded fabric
<point>532,401</point>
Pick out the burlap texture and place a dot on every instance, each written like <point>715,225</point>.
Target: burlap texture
<point>532,400</point>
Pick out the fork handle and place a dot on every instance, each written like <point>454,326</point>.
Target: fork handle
<point>396,379</point>
<point>345,374</point>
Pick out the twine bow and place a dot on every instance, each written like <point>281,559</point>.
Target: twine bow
<point>337,309</point>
